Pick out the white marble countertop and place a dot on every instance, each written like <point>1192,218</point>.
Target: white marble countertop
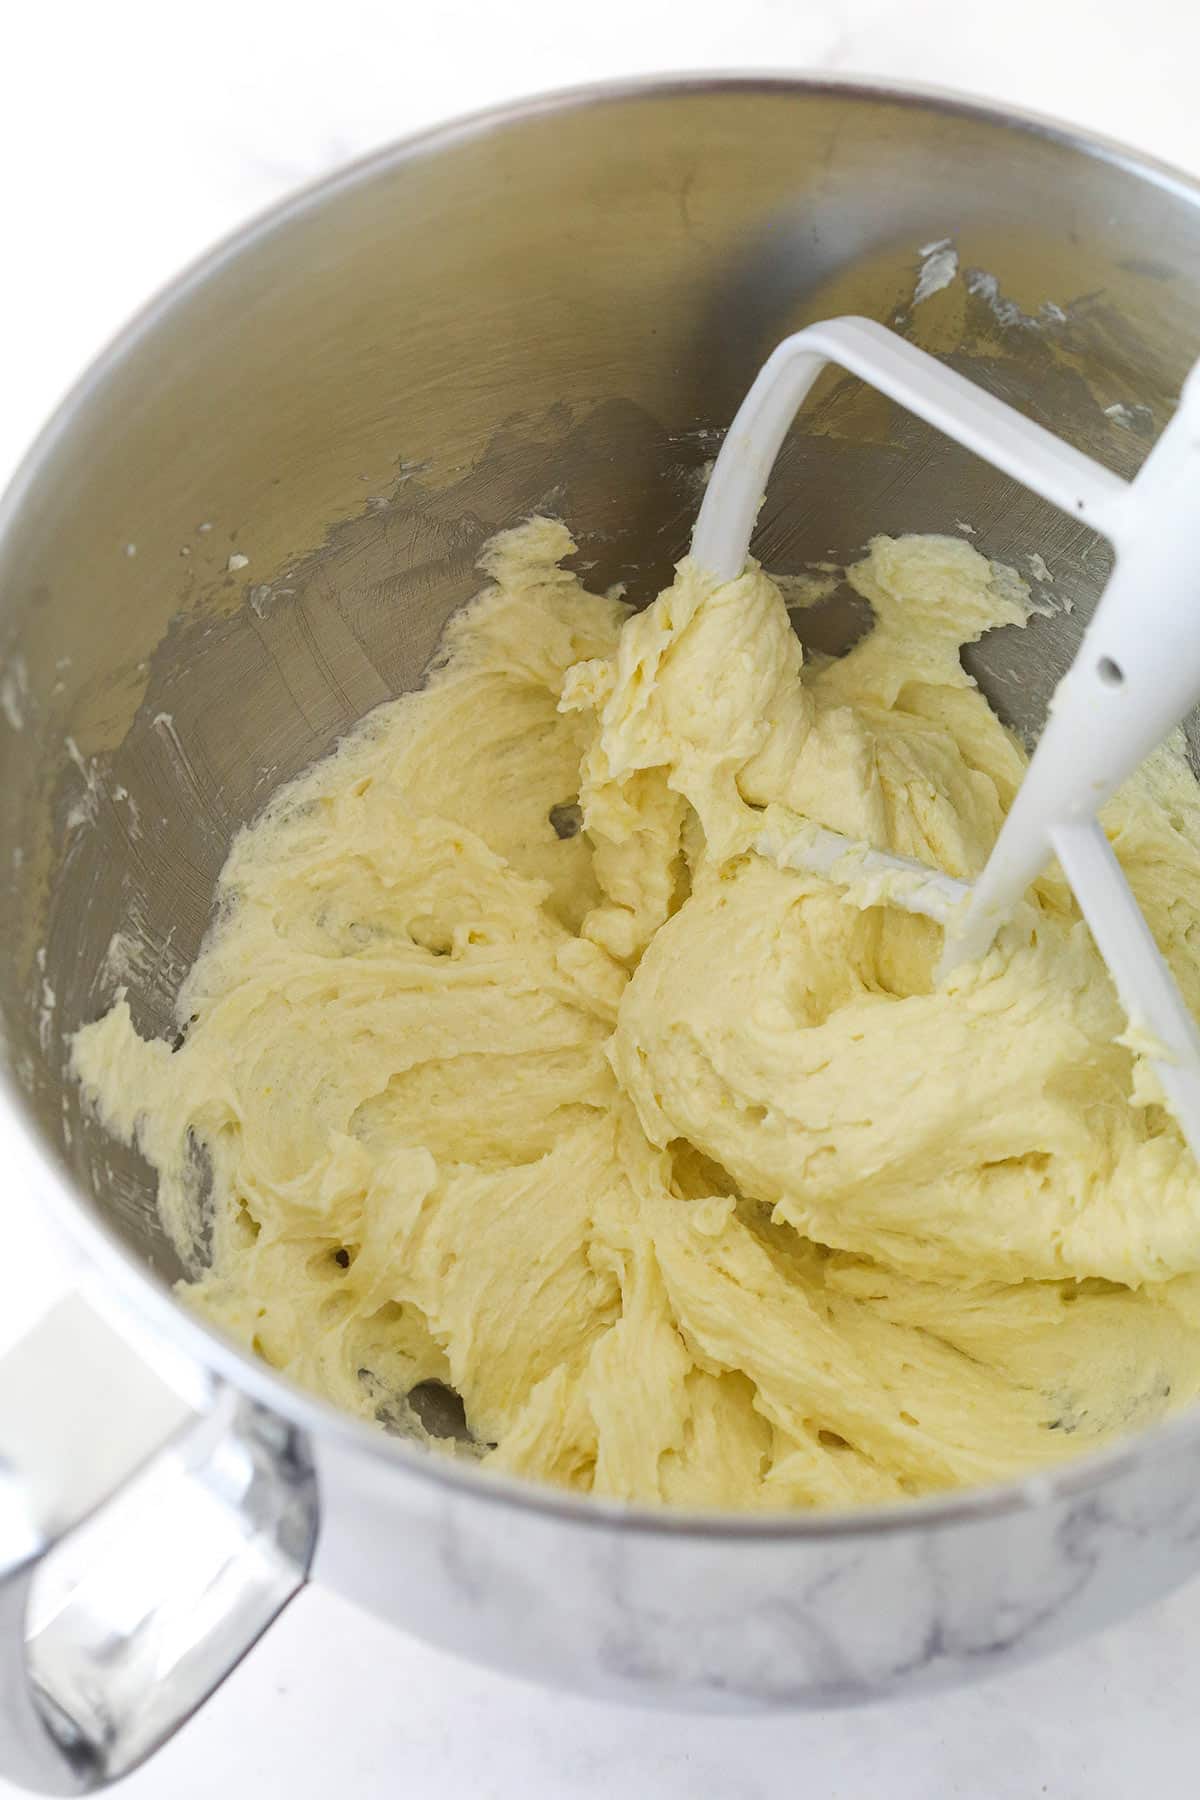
<point>132,135</point>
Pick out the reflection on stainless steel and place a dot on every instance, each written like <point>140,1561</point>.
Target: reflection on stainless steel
<point>559,308</point>
<point>144,1601</point>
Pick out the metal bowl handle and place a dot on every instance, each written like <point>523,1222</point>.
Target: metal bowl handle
<point>145,1544</point>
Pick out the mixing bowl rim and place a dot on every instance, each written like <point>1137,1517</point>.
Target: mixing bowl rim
<point>72,1207</point>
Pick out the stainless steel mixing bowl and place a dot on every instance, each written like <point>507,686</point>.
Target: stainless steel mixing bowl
<point>245,528</point>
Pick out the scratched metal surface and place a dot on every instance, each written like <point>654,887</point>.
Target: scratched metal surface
<point>559,312</point>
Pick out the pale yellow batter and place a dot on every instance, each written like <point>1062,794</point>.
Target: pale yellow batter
<point>676,1165</point>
